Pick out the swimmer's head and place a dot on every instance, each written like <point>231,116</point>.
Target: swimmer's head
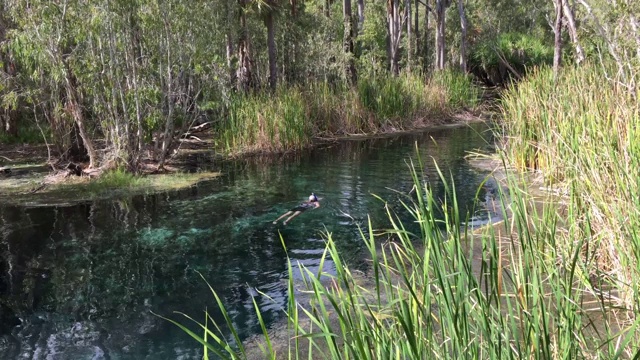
<point>313,197</point>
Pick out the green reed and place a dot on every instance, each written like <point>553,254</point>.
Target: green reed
<point>436,288</point>
<point>581,132</point>
<point>266,122</point>
<point>291,117</point>
<point>459,89</point>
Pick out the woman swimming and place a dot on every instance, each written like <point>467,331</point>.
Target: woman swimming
<point>311,203</point>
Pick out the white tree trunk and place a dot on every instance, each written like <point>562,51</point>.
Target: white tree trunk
<point>441,6</point>
<point>557,30</point>
<point>573,32</point>
<point>463,37</point>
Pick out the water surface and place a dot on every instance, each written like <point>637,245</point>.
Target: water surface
<point>81,282</point>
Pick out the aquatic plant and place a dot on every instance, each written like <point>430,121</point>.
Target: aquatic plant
<point>507,291</point>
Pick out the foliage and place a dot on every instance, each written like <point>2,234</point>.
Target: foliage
<point>581,132</point>
<point>26,135</point>
<point>438,289</point>
<point>489,58</point>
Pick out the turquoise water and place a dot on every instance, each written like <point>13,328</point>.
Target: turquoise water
<point>83,282</point>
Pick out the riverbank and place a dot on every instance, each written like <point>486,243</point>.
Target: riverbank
<point>28,180</point>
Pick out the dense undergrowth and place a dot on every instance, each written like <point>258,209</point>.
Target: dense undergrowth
<point>509,56</point>
<point>294,115</point>
<point>582,132</point>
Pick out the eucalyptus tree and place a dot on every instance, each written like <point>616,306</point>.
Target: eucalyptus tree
<point>395,22</point>
<point>424,43</point>
<point>557,32</point>
<point>49,38</point>
<point>463,36</point>
<point>244,74</point>
<point>440,14</point>
<point>615,22</point>
<point>8,98</point>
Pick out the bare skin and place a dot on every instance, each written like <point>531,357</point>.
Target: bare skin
<point>293,213</point>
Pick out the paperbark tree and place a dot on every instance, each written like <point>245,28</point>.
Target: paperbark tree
<point>557,31</point>
<point>567,12</point>
<point>440,13</point>
<point>360,16</point>
<point>407,16</point>
<point>394,22</point>
<point>8,112</point>
<point>245,61</point>
<point>463,36</point>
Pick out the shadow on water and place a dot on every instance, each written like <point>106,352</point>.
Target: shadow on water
<point>80,282</point>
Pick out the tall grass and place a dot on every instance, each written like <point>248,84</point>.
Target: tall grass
<point>289,118</point>
<point>582,132</point>
<point>460,91</point>
<point>266,122</point>
<point>435,289</point>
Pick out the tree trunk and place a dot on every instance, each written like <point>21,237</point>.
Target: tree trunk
<point>8,115</point>
<point>167,137</point>
<point>394,32</point>
<point>416,28</point>
<point>245,63</point>
<point>425,46</point>
<point>349,33</point>
<point>463,37</point>
<point>573,32</point>
<point>271,46</point>
<point>410,48</point>
<point>230,51</point>
<point>441,7</point>
<point>72,105</point>
<point>557,30</point>
<point>361,16</point>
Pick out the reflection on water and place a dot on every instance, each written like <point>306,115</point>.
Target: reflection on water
<point>82,281</point>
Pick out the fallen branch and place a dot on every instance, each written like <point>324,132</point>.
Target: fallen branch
<point>42,186</point>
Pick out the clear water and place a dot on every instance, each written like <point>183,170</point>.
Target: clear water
<point>81,282</point>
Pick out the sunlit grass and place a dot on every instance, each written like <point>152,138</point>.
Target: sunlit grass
<point>437,289</point>
<point>291,117</point>
<point>582,132</point>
